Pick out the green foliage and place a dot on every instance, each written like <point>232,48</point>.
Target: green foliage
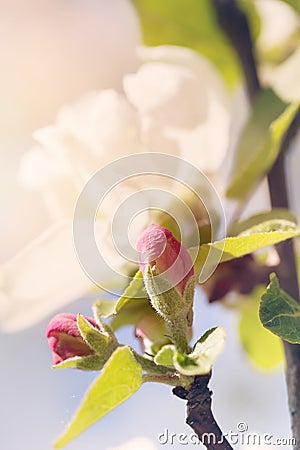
<point>104,308</point>
<point>263,348</point>
<point>189,23</point>
<point>96,340</point>
<point>280,313</point>
<point>267,233</point>
<point>129,308</point>
<point>131,313</point>
<point>122,373</point>
<point>205,336</point>
<point>200,360</point>
<point>260,142</point>
<point>121,377</point>
<point>92,362</point>
<point>271,226</point>
<point>165,356</point>
<point>276,214</point>
<point>136,289</point>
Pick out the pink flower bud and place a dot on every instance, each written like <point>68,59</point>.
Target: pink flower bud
<point>64,338</point>
<point>158,247</point>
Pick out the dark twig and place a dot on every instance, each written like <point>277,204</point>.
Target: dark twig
<point>279,199</point>
<point>287,272</point>
<point>235,25</point>
<point>199,414</point>
<point>277,177</point>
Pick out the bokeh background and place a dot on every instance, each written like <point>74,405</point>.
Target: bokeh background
<point>52,51</point>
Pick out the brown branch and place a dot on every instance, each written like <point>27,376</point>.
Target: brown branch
<point>277,177</point>
<point>235,25</point>
<point>199,414</point>
<point>287,273</point>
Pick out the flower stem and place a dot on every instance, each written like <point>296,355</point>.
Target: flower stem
<point>172,379</point>
<point>151,367</point>
<point>178,331</point>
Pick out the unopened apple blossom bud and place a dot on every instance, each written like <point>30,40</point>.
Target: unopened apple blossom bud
<point>64,338</point>
<point>169,280</point>
<point>158,248</point>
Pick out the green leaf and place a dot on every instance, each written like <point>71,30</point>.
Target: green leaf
<point>135,290</point>
<point>207,349</point>
<point>121,377</point>
<point>129,308</point>
<point>260,142</point>
<point>280,313</point>
<point>165,356</point>
<point>263,235</point>
<point>200,360</point>
<point>263,348</point>
<point>93,362</point>
<point>189,23</point>
<point>131,313</point>
<point>271,226</point>
<point>276,214</point>
<point>104,308</point>
<point>133,304</point>
<point>97,340</point>
<point>205,336</point>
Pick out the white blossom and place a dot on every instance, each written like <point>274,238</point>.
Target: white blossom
<point>175,103</point>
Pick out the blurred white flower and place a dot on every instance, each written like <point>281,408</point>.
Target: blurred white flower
<point>32,284</point>
<point>280,25</point>
<point>284,78</point>
<point>279,21</point>
<point>138,443</point>
<point>99,128</point>
<point>53,52</point>
<point>175,103</point>
<point>181,100</point>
